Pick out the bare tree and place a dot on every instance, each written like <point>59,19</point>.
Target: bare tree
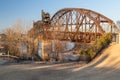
<point>13,38</point>
<point>17,37</point>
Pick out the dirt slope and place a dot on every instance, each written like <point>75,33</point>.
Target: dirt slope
<point>110,57</point>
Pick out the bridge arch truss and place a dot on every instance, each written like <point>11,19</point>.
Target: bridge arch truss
<point>78,24</point>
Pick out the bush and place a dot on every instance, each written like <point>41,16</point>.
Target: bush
<point>91,53</point>
<point>85,55</point>
<point>45,57</point>
<point>103,42</point>
<point>88,51</point>
<point>96,47</point>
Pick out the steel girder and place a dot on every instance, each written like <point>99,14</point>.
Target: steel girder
<point>78,24</point>
<point>96,19</point>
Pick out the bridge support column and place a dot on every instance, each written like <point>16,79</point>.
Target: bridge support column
<point>45,49</point>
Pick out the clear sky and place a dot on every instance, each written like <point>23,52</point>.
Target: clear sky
<point>30,10</point>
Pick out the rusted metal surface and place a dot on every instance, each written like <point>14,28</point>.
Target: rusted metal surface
<point>77,24</point>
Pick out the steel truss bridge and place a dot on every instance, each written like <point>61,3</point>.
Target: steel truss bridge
<point>77,24</point>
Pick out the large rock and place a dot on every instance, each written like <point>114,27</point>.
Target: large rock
<point>74,57</point>
<point>70,56</point>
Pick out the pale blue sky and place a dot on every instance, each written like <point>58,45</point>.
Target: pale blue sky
<point>30,10</point>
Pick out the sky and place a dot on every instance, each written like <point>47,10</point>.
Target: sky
<point>28,11</point>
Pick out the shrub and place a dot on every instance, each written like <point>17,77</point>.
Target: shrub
<point>91,52</point>
<point>103,42</point>
<point>84,56</point>
<point>97,46</point>
<point>82,52</point>
<point>88,51</point>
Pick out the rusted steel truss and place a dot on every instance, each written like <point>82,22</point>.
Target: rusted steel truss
<point>78,24</point>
